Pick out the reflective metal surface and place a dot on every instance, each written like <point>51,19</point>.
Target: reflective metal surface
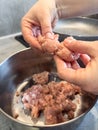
<point>81,28</point>
<point>14,71</point>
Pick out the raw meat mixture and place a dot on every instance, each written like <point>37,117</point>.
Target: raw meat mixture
<point>53,99</point>
<point>55,47</point>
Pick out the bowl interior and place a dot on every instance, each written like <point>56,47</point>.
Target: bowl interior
<point>81,28</point>
<point>17,68</point>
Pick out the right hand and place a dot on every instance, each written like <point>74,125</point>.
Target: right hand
<point>86,78</point>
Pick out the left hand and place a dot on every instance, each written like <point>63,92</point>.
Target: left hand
<point>40,19</point>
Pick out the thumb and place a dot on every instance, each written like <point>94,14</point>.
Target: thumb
<point>46,27</point>
<point>69,74</point>
<point>78,46</point>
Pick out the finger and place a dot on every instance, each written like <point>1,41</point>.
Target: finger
<point>69,74</point>
<point>31,40</point>
<point>60,63</point>
<point>64,53</point>
<point>46,26</point>
<point>54,21</point>
<point>78,46</point>
<point>75,65</point>
<point>28,34</point>
<point>85,58</point>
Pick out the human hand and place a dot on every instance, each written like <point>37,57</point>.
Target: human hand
<point>86,78</point>
<point>40,19</point>
<point>38,26</point>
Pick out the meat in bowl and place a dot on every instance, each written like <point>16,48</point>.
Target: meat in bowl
<point>54,99</point>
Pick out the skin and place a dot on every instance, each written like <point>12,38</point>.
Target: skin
<point>43,15</point>
<point>86,77</point>
<point>41,19</point>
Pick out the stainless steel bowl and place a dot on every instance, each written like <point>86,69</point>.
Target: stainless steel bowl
<point>14,71</point>
<point>81,28</point>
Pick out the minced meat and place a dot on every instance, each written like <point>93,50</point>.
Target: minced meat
<point>54,99</point>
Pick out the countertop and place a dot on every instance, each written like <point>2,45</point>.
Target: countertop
<point>9,46</point>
